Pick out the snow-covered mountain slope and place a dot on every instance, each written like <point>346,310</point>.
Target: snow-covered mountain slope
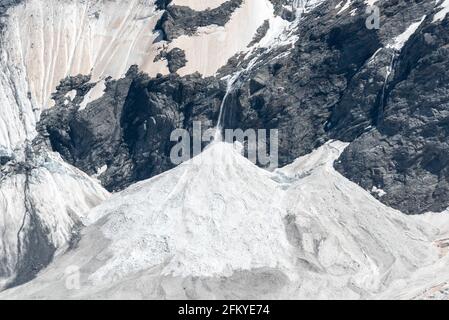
<point>431,282</point>
<point>212,46</point>
<point>46,41</point>
<point>220,227</point>
<point>42,202</point>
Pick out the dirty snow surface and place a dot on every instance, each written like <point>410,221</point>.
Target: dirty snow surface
<point>217,226</point>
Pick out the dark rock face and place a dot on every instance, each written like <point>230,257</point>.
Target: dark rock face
<point>129,128</point>
<point>180,20</point>
<point>260,33</point>
<point>335,85</point>
<point>339,81</point>
<point>81,84</point>
<point>176,59</point>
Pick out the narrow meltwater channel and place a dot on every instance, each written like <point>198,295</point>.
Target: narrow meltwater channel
<point>232,80</point>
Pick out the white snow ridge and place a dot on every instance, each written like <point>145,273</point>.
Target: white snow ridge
<point>218,226</point>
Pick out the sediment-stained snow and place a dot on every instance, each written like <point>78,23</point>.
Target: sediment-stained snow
<point>45,41</point>
<point>211,47</point>
<point>217,225</point>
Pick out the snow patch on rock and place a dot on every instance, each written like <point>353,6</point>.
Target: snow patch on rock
<point>444,10</point>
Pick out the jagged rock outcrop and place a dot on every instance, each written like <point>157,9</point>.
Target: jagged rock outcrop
<point>297,92</point>
<point>194,232</point>
<point>128,129</point>
<point>407,154</point>
<point>338,80</point>
<point>261,32</point>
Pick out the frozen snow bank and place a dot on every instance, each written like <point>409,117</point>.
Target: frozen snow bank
<point>217,225</point>
<point>199,223</point>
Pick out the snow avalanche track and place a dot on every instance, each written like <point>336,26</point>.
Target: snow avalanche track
<point>220,227</point>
